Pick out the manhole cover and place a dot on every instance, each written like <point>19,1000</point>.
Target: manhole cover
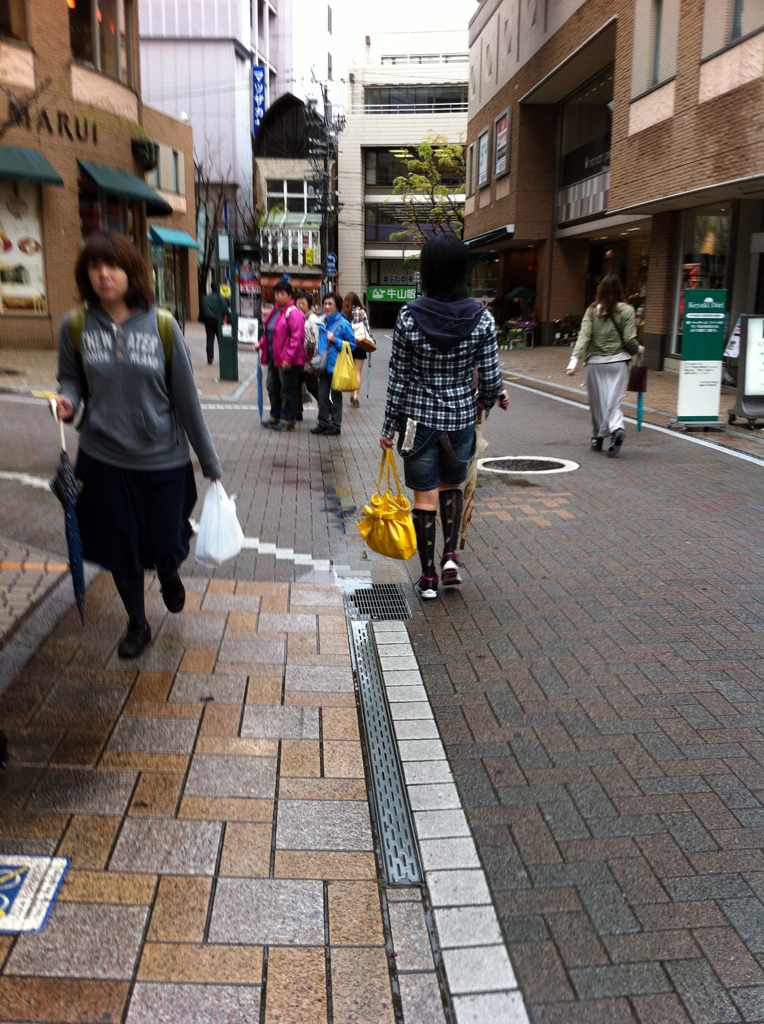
<point>526,465</point>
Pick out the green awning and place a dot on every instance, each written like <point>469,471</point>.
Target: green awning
<point>120,183</point>
<point>170,236</point>
<point>27,165</point>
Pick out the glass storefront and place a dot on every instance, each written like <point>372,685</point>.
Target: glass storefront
<point>705,257</point>
<point>587,118</point>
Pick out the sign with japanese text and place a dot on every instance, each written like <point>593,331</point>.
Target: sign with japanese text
<point>258,87</point>
<point>397,272</point>
<point>377,293</point>
<point>700,372</point>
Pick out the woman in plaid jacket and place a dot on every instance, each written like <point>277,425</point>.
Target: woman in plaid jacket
<point>438,344</point>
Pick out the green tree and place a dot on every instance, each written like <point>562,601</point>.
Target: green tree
<point>433,190</point>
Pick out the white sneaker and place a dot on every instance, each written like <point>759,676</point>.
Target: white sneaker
<point>450,572</point>
<point>427,586</point>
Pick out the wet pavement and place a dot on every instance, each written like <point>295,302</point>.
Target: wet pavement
<point>579,726</point>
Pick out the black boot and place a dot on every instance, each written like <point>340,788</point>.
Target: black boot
<point>425,522</point>
<point>135,640</point>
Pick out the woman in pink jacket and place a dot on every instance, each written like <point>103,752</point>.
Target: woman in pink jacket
<point>283,352</point>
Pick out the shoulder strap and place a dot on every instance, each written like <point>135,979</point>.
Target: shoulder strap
<point>76,324</point>
<point>164,319</point>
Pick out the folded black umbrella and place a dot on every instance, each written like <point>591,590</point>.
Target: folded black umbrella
<point>67,490</point>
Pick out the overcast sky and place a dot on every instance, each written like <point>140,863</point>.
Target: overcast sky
<point>411,15</point>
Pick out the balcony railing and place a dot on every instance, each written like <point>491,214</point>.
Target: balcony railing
<point>409,108</point>
<point>290,247</point>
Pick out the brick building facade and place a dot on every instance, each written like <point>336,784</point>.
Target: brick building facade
<point>633,146</point>
<point>79,150</point>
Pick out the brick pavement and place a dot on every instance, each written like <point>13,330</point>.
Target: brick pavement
<point>595,684</point>
<point>211,798</point>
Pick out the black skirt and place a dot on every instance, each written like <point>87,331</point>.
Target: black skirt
<point>132,519</point>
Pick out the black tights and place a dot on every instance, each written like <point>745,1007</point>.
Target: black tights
<point>130,589</point>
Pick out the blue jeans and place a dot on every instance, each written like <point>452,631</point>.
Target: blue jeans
<point>437,456</point>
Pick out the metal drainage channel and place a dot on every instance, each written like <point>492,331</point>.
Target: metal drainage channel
<point>395,828</point>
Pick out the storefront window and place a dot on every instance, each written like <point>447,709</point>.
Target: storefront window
<point>12,20</point>
<point>22,268</point>
<point>100,35</point>
<point>705,256</point>
<point>586,128</point>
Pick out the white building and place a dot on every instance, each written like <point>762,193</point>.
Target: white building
<point>197,60</point>
<point>404,87</point>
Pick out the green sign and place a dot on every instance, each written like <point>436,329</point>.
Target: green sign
<point>387,293</point>
<point>700,371</point>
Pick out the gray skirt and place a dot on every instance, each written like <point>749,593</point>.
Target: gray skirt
<point>606,384</point>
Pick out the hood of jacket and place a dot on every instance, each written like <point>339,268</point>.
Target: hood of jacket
<point>445,324</point>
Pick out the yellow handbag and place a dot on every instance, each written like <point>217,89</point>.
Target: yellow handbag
<point>387,526</point>
<point>344,377</point>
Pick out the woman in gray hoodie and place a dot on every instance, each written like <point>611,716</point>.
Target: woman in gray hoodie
<point>438,343</point>
<point>132,370</point>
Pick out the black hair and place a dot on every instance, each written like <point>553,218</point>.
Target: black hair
<point>282,286</point>
<point>337,300</point>
<point>443,268</point>
<point>304,295</point>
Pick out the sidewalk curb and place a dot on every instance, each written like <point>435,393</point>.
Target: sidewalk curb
<point>38,622</point>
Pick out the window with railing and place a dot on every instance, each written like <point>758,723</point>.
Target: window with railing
<point>13,23</point>
<point>383,220</point>
<point>100,35</point>
<point>425,58</point>
<point>416,99</point>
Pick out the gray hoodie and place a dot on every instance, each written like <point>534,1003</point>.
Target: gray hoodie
<point>131,421</point>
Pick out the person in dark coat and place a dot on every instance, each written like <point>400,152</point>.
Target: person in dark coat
<point>214,308</point>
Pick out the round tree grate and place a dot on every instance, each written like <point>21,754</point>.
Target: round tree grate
<point>526,465</point>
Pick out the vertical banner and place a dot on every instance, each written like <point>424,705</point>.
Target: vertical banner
<point>258,89</point>
<point>700,372</point>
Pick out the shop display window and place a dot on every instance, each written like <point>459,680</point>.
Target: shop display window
<point>22,265</point>
<point>705,256</point>
<point>587,118</point>
<point>12,20</point>
<point>100,35</point>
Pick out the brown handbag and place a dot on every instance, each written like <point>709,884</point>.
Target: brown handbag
<point>637,378</point>
<point>637,373</point>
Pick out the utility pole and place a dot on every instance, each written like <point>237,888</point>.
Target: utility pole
<point>323,134</point>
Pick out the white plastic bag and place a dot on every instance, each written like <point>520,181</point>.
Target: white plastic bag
<point>220,536</point>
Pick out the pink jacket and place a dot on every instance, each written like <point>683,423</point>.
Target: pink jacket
<point>288,336</point>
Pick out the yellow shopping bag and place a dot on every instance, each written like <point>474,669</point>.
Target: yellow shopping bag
<point>344,377</point>
<point>387,526</point>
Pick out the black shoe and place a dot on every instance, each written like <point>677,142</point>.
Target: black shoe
<point>333,431</point>
<point>173,593</point>
<point>596,444</point>
<point>318,430</point>
<point>135,640</point>
<point>615,445</point>
<point>283,426</point>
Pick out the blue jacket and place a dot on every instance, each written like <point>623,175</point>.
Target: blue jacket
<point>342,332</point>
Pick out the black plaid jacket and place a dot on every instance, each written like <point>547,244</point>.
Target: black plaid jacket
<point>436,388</point>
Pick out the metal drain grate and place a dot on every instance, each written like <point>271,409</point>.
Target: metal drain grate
<point>381,602</point>
<point>399,852</point>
